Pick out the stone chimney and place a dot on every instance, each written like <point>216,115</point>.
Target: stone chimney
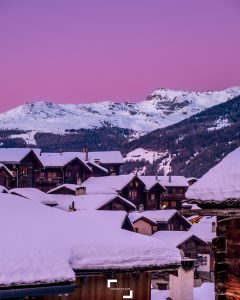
<point>156,176</point>
<point>141,208</point>
<point>214,226</point>
<point>181,286</point>
<point>170,178</point>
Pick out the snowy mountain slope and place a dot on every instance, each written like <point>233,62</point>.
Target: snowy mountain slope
<point>162,108</point>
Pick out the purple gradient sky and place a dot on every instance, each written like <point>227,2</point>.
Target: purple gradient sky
<point>88,50</point>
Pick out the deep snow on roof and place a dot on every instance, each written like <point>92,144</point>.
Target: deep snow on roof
<point>69,186</point>
<point>162,215</point>
<point>88,201</point>
<point>61,159</point>
<point>34,194</point>
<point>2,166</point>
<point>45,244</point>
<point>219,183</point>
<point>3,189</point>
<point>15,155</point>
<point>176,238</point>
<point>107,183</point>
<point>204,229</point>
<point>166,181</point>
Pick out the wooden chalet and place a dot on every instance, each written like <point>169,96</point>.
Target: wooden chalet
<point>149,222</point>
<point>6,177</point>
<point>24,165</point>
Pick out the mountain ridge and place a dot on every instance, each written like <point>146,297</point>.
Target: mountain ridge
<point>161,108</point>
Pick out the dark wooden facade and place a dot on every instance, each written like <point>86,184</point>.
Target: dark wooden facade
<point>26,171</point>
<point>73,172</point>
<point>172,197</point>
<point>176,223</point>
<point>154,197</point>
<point>134,191</point>
<point>94,287</point>
<point>117,204</point>
<point>5,178</point>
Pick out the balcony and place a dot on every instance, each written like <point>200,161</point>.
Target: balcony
<point>47,180</point>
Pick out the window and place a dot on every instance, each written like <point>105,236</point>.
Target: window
<point>23,170</point>
<point>165,204</point>
<point>68,173</point>
<point>136,183</point>
<point>173,203</point>
<point>152,197</point>
<point>170,190</point>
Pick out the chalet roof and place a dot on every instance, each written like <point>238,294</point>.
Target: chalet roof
<point>60,160</point>
<point>15,155</point>
<point>220,185</point>
<point>115,183</point>
<point>34,195</point>
<point>3,189</point>
<point>96,165</point>
<point>203,229</point>
<point>2,166</point>
<point>157,216</point>
<point>165,181</point>
<point>42,238</point>
<point>150,181</point>
<point>68,186</point>
<point>176,238</point>
<point>88,201</point>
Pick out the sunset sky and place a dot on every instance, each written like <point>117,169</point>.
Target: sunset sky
<point>76,51</point>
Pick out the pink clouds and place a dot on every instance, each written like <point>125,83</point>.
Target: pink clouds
<point>82,51</point>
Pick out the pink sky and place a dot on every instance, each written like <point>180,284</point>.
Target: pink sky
<point>89,50</point>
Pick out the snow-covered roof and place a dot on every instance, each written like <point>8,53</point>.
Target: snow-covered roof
<point>175,238</point>
<point>163,215</point>
<point>59,160</point>
<point>15,155</point>
<point>34,194</point>
<point>165,181</point>
<point>45,244</point>
<point>115,183</point>
<point>204,229</point>
<point>93,163</point>
<point>68,186</point>
<point>106,157</point>
<point>150,181</point>
<point>204,292</point>
<point>2,166</point>
<point>88,201</point>
<point>3,189</point>
<point>220,184</point>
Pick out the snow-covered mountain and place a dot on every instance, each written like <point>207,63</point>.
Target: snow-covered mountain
<point>162,108</point>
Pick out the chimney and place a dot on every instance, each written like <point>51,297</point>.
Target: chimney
<point>156,176</point>
<point>141,208</point>
<point>86,156</point>
<point>72,206</point>
<point>81,191</point>
<point>170,178</point>
<point>213,226</point>
<point>181,286</point>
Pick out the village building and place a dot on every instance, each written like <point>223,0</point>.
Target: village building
<point>149,192</point>
<point>149,222</point>
<point>34,168</point>
<point>6,176</point>
<point>24,165</point>
<point>93,261</point>
<point>218,194</point>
